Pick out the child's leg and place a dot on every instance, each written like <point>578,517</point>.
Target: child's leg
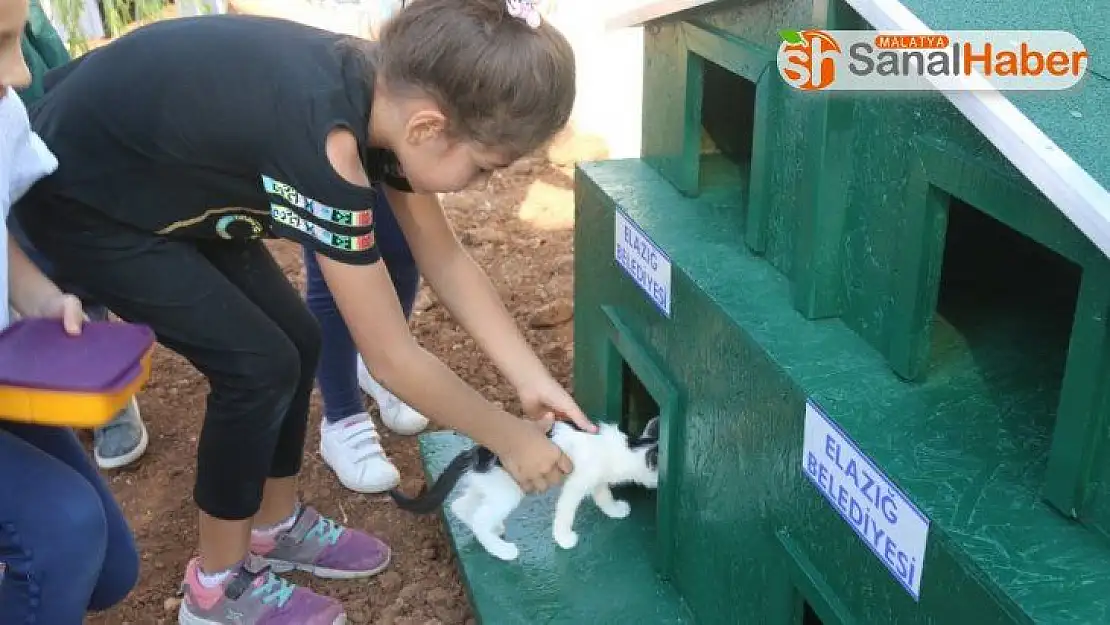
<point>252,367</point>
<point>65,552</point>
<point>336,371</point>
<point>254,370</point>
<point>287,535</point>
<point>349,442</point>
<point>120,570</point>
<point>258,277</point>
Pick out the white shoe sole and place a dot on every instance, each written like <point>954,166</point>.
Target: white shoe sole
<point>281,566</point>
<point>408,430</point>
<point>185,617</point>
<point>364,490</point>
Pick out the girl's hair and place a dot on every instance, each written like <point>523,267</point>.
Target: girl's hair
<point>499,82</point>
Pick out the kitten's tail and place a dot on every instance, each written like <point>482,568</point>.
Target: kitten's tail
<point>430,499</point>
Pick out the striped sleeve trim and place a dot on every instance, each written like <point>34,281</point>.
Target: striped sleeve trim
<point>319,210</point>
<point>342,242</point>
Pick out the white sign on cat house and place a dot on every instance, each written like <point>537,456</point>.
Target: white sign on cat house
<point>883,517</point>
<point>643,261</point>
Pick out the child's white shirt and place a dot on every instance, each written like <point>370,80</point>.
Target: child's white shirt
<point>24,160</point>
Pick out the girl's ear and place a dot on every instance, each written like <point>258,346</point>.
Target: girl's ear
<point>425,125</point>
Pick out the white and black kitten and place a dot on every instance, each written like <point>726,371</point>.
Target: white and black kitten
<point>490,494</point>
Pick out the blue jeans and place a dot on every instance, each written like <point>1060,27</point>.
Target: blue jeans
<point>336,375</point>
<point>95,311</point>
<point>66,545</point>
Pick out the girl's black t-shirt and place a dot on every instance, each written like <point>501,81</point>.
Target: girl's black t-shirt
<point>215,127</point>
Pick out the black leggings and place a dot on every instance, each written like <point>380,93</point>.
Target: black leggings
<point>225,306</point>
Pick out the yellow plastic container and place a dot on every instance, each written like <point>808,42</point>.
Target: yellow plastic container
<point>70,409</point>
<point>50,378</point>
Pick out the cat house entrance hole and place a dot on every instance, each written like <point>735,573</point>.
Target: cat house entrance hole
<point>637,404</point>
<point>727,115</point>
<point>1005,309</point>
<point>809,617</point>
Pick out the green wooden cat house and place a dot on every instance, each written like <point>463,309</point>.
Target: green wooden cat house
<point>876,330</point>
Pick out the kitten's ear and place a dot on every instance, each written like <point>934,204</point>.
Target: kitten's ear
<point>652,457</point>
<point>651,430</point>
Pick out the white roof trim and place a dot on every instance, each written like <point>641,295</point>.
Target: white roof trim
<point>652,11</point>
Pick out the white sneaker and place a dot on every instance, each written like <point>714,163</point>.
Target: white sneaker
<point>352,449</point>
<point>396,415</point>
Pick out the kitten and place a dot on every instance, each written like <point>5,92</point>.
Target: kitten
<point>490,494</point>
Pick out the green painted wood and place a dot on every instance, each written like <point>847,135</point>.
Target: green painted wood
<point>813,590</point>
<point>609,578</point>
<point>898,271</point>
<point>1005,196</point>
<point>721,47</point>
<point>1080,432</point>
<point>713,105</point>
<point>819,288</point>
<point>1068,118</point>
<point>1096,497</point>
<point>630,351</point>
<point>945,172</point>
<point>909,338</point>
<point>819,266</point>
<point>759,191</point>
<point>667,143</point>
<point>968,443</point>
<point>860,226</point>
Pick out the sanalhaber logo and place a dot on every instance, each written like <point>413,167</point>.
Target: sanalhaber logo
<point>849,60</point>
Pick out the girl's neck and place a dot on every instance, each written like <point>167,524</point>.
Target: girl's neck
<point>386,117</point>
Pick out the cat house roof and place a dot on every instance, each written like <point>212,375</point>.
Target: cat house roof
<point>1057,139</point>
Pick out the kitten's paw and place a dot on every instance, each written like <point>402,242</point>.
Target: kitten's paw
<point>566,540</point>
<point>506,552</point>
<point>618,509</point>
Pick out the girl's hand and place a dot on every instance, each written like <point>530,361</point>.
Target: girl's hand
<point>531,458</point>
<point>65,307</point>
<point>544,399</point>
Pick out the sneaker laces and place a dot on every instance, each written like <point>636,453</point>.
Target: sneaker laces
<point>325,531</point>
<point>363,437</point>
<point>274,589</point>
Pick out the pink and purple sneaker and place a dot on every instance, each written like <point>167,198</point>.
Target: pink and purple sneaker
<point>322,547</point>
<point>253,595</point>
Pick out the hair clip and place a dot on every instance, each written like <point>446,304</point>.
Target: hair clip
<point>525,10</point>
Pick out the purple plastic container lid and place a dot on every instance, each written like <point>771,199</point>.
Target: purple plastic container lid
<point>38,354</point>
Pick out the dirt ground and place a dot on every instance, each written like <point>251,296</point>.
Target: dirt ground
<point>520,232</point>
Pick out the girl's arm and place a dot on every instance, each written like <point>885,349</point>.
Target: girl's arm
<point>368,303</point>
<point>467,293</point>
<point>33,295</point>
